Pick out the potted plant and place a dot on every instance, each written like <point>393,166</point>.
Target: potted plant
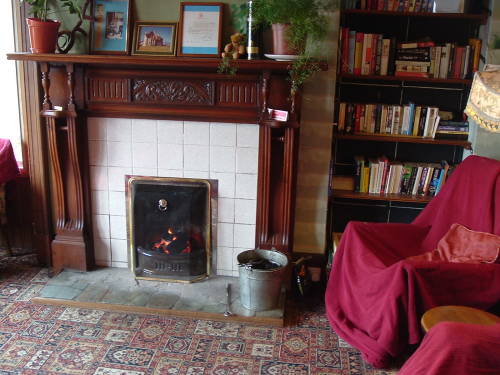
<point>43,31</point>
<point>295,23</point>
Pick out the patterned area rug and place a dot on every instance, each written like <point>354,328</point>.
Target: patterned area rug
<point>46,340</point>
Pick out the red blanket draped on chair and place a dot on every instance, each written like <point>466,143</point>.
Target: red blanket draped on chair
<point>452,348</point>
<point>375,298</point>
<point>8,164</point>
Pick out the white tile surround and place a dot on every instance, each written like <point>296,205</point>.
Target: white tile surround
<point>225,152</point>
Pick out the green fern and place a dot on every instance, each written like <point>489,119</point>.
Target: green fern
<point>307,22</point>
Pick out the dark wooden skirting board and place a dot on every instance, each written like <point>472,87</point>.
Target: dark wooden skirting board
<point>261,321</point>
<point>75,87</point>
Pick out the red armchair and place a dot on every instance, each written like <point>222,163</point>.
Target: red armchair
<point>375,296</point>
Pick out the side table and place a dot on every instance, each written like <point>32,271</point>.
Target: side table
<point>462,314</point>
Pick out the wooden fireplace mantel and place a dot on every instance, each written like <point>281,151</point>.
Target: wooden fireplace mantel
<point>79,86</point>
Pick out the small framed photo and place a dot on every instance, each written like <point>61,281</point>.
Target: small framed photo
<point>155,38</point>
<point>200,29</point>
<point>111,27</point>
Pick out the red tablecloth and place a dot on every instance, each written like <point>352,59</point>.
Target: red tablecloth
<point>8,164</point>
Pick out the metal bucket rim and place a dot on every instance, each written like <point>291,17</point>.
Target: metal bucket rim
<point>278,269</point>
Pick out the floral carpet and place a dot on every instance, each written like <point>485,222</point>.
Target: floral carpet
<point>44,340</point>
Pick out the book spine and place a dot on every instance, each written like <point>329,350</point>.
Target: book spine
<point>366,58</point>
<point>396,120</point>
<point>428,181</point>
<point>423,178</point>
<point>357,176</point>
<point>341,119</point>
<point>358,53</point>
<point>411,181</point>
<point>457,62</point>
<point>384,58</point>
<point>434,181</point>
<point>373,54</point>
<point>421,125</point>
<point>417,180</point>
<point>445,59</point>
<point>406,120</point>
<point>348,122</point>
<point>416,121</point>
<point>378,60</point>
<point>437,63</point>
<point>412,74</point>
<point>476,53</point>
<point>357,118</point>
<point>362,119</point>
<point>378,115</point>
<point>351,51</point>
<point>392,56</point>
<point>466,64</point>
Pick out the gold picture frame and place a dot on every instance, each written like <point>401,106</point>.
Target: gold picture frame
<point>155,38</point>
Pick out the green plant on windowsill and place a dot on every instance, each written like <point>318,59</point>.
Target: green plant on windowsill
<point>42,9</point>
<point>44,33</point>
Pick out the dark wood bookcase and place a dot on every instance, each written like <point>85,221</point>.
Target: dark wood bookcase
<point>447,94</point>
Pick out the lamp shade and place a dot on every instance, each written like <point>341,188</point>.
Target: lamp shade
<point>483,105</point>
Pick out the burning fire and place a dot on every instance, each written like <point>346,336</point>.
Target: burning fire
<point>172,244</point>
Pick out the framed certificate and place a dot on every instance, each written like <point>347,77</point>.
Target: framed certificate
<point>200,29</point>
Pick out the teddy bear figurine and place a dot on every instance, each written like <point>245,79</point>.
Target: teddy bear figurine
<point>236,48</point>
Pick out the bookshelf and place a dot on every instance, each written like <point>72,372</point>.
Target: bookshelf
<point>448,94</point>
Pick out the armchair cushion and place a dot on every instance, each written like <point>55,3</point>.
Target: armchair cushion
<point>462,245</point>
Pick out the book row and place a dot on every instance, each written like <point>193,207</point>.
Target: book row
<point>409,120</point>
<point>391,5</point>
<point>380,176</point>
<point>374,54</point>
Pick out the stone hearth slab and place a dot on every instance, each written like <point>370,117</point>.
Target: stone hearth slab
<point>116,289</point>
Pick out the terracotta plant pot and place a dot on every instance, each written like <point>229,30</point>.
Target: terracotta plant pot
<point>280,40</point>
<point>43,35</point>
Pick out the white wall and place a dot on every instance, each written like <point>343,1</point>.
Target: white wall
<point>10,127</point>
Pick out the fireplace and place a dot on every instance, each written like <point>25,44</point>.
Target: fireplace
<point>169,223</point>
<point>92,86</point>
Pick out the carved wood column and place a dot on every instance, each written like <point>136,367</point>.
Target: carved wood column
<point>69,247</point>
<point>278,151</point>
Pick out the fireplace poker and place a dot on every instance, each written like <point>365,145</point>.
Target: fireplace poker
<point>228,300</point>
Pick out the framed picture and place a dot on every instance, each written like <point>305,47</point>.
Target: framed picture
<point>155,38</point>
<point>200,29</point>
<point>111,28</point>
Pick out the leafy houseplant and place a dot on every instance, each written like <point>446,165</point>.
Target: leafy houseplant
<point>305,23</point>
<point>43,30</point>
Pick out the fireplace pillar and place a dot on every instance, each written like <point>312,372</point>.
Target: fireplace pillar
<point>162,88</point>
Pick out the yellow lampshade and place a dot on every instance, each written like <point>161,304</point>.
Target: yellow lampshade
<point>483,105</point>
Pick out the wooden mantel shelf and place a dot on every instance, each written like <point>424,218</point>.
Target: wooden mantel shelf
<point>174,63</point>
<point>76,87</point>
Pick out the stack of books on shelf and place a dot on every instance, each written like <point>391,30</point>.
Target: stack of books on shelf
<point>379,176</point>
<point>375,54</point>
<point>391,5</point>
<point>453,130</point>
<point>425,59</point>
<point>387,119</point>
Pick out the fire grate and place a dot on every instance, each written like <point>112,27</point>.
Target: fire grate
<point>169,223</point>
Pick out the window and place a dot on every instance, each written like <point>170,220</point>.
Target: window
<point>10,126</point>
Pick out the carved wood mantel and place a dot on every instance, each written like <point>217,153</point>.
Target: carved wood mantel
<point>78,86</point>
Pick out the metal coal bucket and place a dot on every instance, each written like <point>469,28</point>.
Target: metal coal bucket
<point>260,288</point>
